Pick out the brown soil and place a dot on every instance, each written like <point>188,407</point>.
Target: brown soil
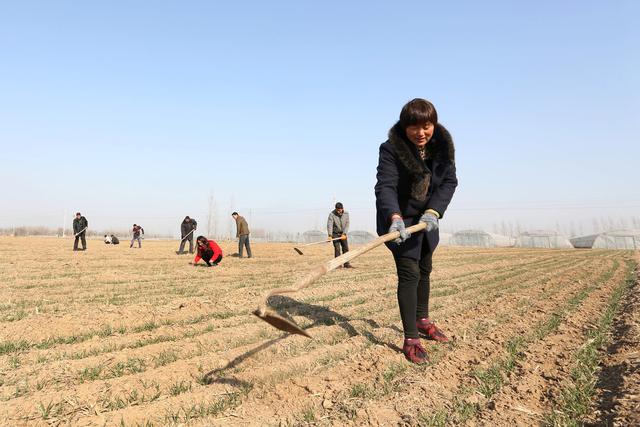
<point>117,336</point>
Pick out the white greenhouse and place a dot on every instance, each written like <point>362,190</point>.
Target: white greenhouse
<point>480,238</point>
<point>313,236</point>
<point>546,239</point>
<point>358,237</point>
<point>616,239</point>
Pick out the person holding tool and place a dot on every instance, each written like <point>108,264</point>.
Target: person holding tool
<point>80,225</point>
<point>337,229</point>
<point>416,180</point>
<point>137,231</point>
<point>187,228</point>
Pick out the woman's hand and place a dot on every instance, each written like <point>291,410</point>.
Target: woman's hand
<point>397,224</point>
<point>431,220</point>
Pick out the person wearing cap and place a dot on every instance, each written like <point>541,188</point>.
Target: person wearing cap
<point>80,225</point>
<point>137,231</point>
<point>416,180</point>
<point>242,233</point>
<point>337,228</point>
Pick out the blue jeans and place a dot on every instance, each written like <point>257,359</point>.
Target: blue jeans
<point>134,239</point>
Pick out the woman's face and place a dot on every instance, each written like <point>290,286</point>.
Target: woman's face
<point>200,243</point>
<point>420,134</point>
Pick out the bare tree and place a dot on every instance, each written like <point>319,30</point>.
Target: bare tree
<point>211,216</point>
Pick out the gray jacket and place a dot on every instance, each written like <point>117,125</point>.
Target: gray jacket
<point>337,225</point>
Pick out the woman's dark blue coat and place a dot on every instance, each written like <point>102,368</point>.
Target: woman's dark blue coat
<point>408,185</point>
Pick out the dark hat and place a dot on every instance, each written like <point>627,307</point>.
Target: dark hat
<point>339,206</point>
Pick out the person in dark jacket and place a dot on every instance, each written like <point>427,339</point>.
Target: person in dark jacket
<point>209,251</point>
<point>416,180</point>
<point>80,225</point>
<point>242,233</point>
<point>187,228</point>
<point>137,231</point>
<point>114,240</point>
<point>337,228</point>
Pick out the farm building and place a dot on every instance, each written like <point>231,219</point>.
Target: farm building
<point>313,236</point>
<point>480,238</point>
<point>543,239</point>
<point>360,237</point>
<point>617,239</point>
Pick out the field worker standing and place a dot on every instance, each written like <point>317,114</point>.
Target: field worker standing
<point>80,225</point>
<point>187,228</point>
<point>416,180</point>
<point>338,227</point>
<point>137,231</point>
<point>209,251</point>
<point>242,233</point>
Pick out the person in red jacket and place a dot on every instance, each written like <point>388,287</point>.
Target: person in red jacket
<point>208,250</point>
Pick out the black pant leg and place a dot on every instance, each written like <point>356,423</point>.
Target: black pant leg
<point>424,284</point>
<point>75,243</point>
<point>190,239</point>
<point>408,277</point>
<point>84,241</point>
<point>217,260</point>
<point>207,255</point>
<point>336,248</point>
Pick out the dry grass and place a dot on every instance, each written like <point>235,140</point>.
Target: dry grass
<point>140,337</point>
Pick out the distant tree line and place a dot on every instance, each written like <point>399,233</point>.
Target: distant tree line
<point>24,231</point>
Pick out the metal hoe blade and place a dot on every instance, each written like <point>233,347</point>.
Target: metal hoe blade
<point>280,322</point>
<point>298,250</point>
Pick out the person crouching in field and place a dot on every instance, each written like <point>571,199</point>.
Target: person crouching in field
<point>208,250</point>
<point>415,182</point>
<point>137,231</point>
<point>111,240</point>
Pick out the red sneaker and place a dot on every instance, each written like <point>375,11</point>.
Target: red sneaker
<point>430,329</point>
<point>413,351</point>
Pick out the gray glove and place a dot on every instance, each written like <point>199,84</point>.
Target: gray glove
<point>431,220</point>
<point>398,225</point>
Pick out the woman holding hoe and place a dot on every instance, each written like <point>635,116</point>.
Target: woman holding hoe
<point>416,180</point>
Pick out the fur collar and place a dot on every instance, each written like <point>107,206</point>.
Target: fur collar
<point>440,147</point>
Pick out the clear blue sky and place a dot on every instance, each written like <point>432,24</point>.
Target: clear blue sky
<point>137,111</point>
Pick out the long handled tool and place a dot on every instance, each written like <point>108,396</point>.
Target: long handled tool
<point>297,249</point>
<point>80,232</point>
<point>277,321</point>
<point>187,235</point>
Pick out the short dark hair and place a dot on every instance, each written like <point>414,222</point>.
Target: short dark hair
<point>418,111</point>
<point>235,213</point>
<point>339,206</point>
<point>78,213</point>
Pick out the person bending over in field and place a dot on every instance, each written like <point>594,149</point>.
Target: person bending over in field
<point>208,250</point>
<point>415,182</point>
<point>137,231</point>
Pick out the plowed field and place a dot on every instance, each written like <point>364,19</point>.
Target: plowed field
<point>119,336</point>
